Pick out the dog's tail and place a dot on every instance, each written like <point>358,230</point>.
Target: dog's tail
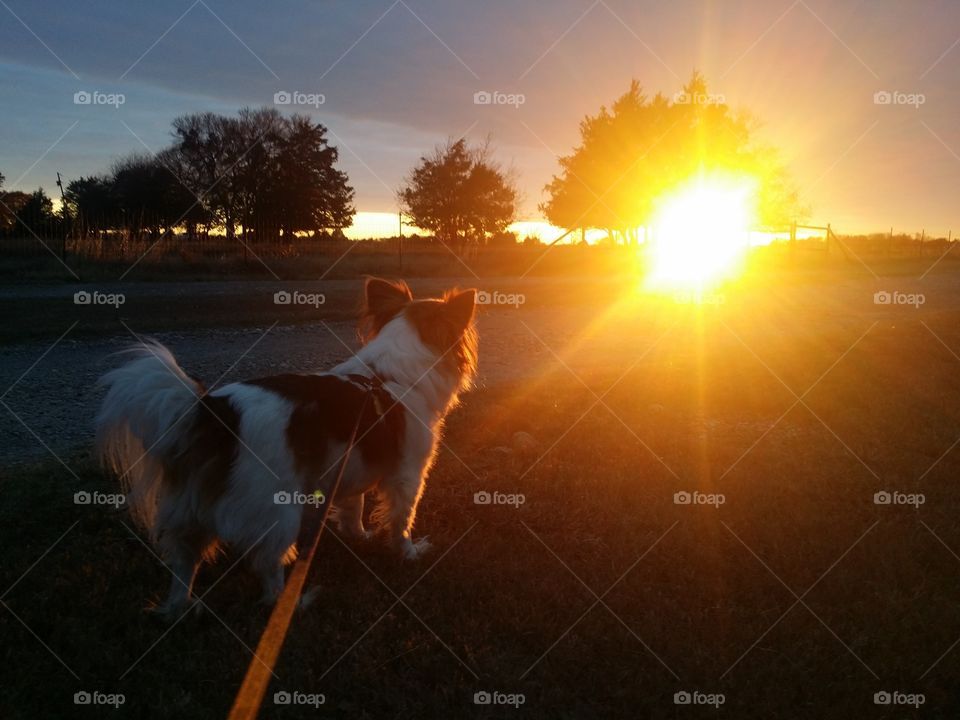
<point>149,401</point>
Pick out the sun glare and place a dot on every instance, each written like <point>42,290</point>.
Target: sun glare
<point>701,232</point>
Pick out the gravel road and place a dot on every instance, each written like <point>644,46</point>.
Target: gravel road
<point>50,398</point>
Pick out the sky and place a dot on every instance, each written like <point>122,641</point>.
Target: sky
<point>397,77</point>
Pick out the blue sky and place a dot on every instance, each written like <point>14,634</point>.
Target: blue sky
<point>399,77</point>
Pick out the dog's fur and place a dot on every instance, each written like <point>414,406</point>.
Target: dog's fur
<point>201,469</point>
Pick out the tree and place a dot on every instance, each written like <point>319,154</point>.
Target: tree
<point>632,153</point>
<point>205,151</point>
<point>92,203</point>
<point>150,196</point>
<point>262,170</point>
<point>460,194</point>
<point>309,192</point>
<point>36,212</point>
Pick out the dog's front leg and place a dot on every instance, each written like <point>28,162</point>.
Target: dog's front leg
<point>400,495</point>
<point>349,514</point>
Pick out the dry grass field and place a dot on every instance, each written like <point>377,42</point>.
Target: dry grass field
<point>783,589</point>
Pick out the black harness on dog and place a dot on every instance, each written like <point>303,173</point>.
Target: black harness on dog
<point>373,384</point>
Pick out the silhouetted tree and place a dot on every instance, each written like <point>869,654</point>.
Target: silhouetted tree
<point>309,193</point>
<point>92,203</point>
<point>13,201</point>
<point>262,170</point>
<point>150,197</point>
<point>459,194</point>
<point>36,212</point>
<point>639,148</point>
<point>205,151</point>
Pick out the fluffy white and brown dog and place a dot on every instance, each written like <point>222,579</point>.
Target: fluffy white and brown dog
<point>203,469</point>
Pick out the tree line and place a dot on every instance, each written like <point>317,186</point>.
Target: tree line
<point>271,176</point>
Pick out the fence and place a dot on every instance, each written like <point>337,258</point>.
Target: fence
<point>268,247</point>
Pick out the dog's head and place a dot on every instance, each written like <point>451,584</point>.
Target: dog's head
<point>444,325</point>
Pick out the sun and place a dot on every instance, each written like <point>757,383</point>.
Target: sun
<point>701,232</point>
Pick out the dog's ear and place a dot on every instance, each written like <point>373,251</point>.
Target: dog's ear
<point>384,297</point>
<point>460,308</point>
<point>382,301</point>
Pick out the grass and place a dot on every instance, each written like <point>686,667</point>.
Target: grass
<point>692,598</point>
<point>306,260</point>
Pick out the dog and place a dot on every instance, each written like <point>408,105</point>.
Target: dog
<point>237,466</point>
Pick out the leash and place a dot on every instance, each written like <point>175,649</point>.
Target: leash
<point>246,705</point>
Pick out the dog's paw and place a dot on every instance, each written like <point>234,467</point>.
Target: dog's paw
<point>307,598</point>
<point>356,535</point>
<point>416,549</point>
